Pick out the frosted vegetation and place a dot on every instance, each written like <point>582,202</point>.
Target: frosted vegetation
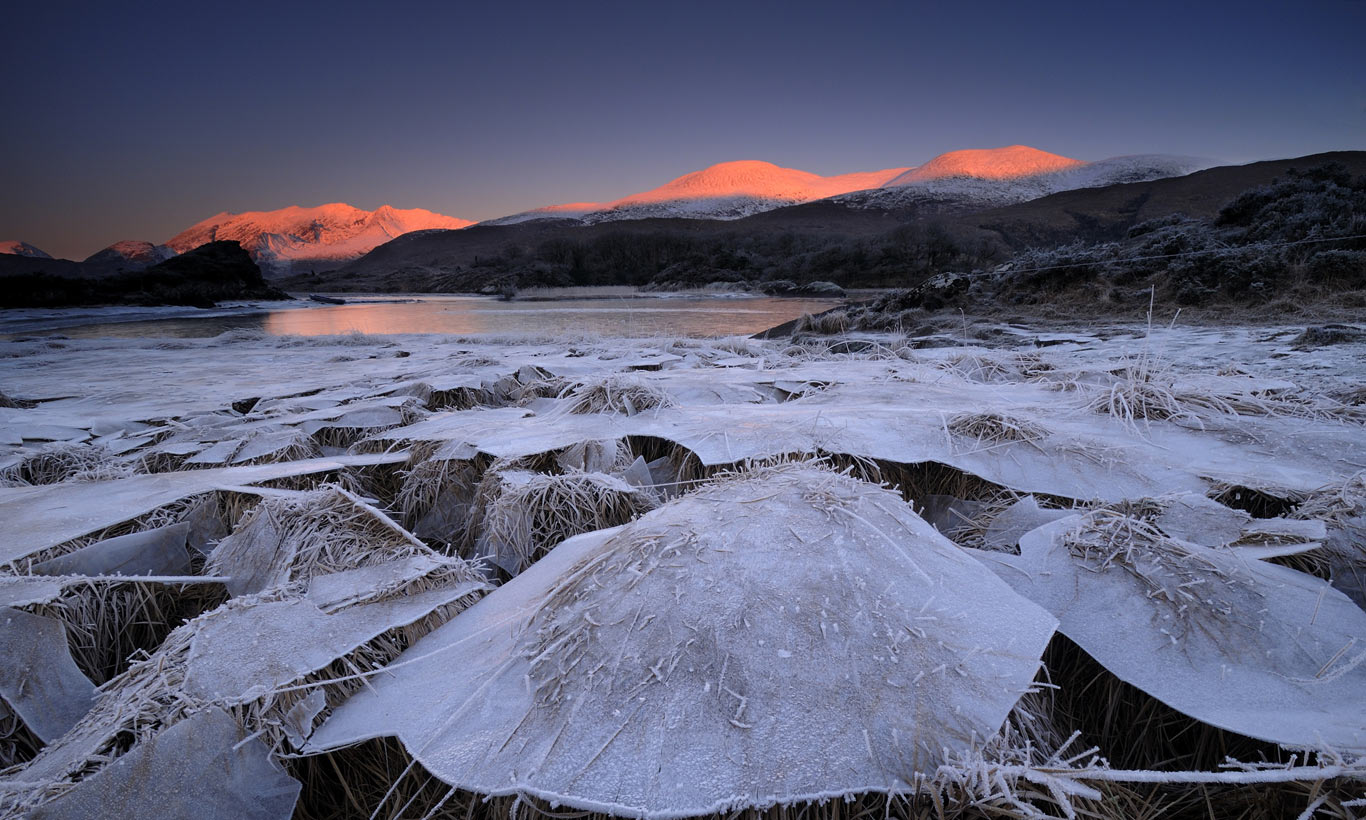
<point>992,571</point>
<point>1276,249</point>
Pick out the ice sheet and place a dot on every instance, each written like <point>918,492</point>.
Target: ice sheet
<point>159,551</point>
<point>38,678</point>
<point>1259,649</point>
<point>200,768</point>
<point>239,653</point>
<point>40,517</point>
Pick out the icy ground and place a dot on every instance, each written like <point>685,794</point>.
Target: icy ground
<point>131,393</point>
<point>482,546</point>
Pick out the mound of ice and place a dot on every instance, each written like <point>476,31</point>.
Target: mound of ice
<point>782,636</point>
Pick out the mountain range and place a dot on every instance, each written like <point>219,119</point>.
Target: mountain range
<point>975,177</point>
<point>333,233</point>
<point>843,239</point>
<point>297,240</point>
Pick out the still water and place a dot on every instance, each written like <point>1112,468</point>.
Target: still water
<point>626,316</point>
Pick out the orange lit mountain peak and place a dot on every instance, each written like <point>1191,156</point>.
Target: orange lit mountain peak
<point>1011,162</point>
<point>759,179</point>
<point>332,231</point>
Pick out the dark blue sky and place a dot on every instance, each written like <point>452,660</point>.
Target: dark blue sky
<point>135,120</point>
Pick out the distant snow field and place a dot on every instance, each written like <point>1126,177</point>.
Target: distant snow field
<point>1023,570</point>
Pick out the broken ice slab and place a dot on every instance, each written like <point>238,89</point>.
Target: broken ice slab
<point>1244,645</point>
<point>201,768</point>
<point>160,551</point>
<point>240,652</point>
<point>38,678</point>
<point>37,518</point>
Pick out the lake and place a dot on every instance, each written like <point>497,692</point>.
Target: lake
<point>669,315</point>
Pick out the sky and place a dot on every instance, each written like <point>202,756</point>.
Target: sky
<point>135,120</point>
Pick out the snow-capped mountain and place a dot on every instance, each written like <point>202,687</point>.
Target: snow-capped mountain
<point>1011,162</point>
<point>131,254</point>
<point>279,240</point>
<point>729,190</point>
<point>973,178</point>
<point>995,177</point>
<point>17,248</point>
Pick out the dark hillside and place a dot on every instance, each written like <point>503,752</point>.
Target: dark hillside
<point>210,273</point>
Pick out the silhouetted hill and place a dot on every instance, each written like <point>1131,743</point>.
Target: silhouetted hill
<point>211,273</point>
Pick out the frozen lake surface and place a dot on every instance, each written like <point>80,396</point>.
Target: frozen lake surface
<point>669,315</point>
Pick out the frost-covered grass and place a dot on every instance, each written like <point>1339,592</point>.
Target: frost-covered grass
<point>507,452</point>
<point>615,394</point>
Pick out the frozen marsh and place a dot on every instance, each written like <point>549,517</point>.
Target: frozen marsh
<point>1004,572</point>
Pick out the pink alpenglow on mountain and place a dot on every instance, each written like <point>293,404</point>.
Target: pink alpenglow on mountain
<point>729,190</point>
<point>17,248</point>
<point>328,233</point>
<point>1011,162</point>
<point>762,180</point>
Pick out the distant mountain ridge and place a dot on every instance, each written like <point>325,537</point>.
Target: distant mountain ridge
<point>130,254</point>
<point>960,187</point>
<point>971,178</point>
<point>727,190</point>
<point>291,237</point>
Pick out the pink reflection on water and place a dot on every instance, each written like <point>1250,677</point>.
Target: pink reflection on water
<point>378,318</point>
<point>466,315</point>
<point>621,317</point>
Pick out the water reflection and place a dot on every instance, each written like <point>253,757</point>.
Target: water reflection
<point>707,316</point>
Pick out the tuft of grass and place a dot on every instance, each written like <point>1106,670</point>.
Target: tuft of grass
<point>1167,571</point>
<point>524,515</point>
<point>296,447</point>
<point>315,533</point>
<point>617,393</point>
<point>57,463</point>
<point>995,428</point>
<point>830,323</point>
<point>108,625</point>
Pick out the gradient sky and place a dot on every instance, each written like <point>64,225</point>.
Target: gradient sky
<point>135,120</point>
